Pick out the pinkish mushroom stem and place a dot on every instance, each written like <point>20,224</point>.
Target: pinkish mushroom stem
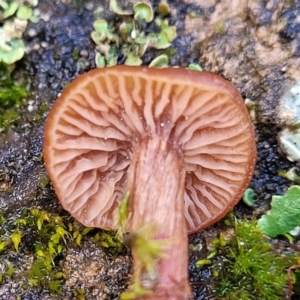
<point>156,183</point>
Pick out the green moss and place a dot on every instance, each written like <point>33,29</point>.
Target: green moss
<point>8,118</point>
<point>43,107</point>
<point>147,251</point>
<point>296,281</point>
<point>10,93</point>
<point>79,294</point>
<point>10,271</point>
<point>50,236</point>
<point>11,96</point>
<point>44,181</point>
<point>46,235</point>
<point>251,269</point>
<point>37,117</point>
<point>75,54</point>
<point>108,239</point>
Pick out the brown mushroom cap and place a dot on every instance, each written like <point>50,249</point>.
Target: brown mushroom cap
<point>96,124</point>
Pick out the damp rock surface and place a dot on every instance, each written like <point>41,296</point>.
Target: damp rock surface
<point>254,44</point>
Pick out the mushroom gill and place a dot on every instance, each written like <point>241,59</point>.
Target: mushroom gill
<point>180,141</point>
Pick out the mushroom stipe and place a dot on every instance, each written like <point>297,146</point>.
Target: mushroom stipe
<point>179,144</point>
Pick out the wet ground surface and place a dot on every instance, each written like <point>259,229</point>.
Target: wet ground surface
<point>254,44</point>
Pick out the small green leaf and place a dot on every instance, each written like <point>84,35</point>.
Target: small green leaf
<point>97,37</point>
<point>126,29</point>
<point>284,214</point>
<point>195,67</point>
<point>44,181</point>
<point>143,11</point>
<point>13,52</point>
<point>16,239</point>
<point>10,271</point>
<point>24,12</point>
<point>212,254</point>
<point>289,238</point>
<point>55,238</point>
<point>2,219</point>
<point>163,9</point>
<point>133,60</point>
<point>141,40</point>
<point>2,245</point>
<point>160,61</point>
<point>55,286</point>
<point>112,60</point>
<point>86,230</point>
<point>100,60</point>
<point>100,26</point>
<point>52,247</point>
<point>59,275</point>
<point>3,4</point>
<point>40,253</point>
<point>35,212</point>
<point>10,10</point>
<point>123,213</point>
<point>33,282</point>
<point>113,6</point>
<point>162,42</point>
<point>104,244</point>
<point>170,31</point>
<point>78,237</point>
<point>151,39</point>
<point>202,262</point>
<point>59,249</point>
<point>62,233</point>
<point>20,221</point>
<point>128,295</point>
<point>248,197</point>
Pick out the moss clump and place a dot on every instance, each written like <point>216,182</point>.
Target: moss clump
<point>7,119</point>
<point>10,93</point>
<point>11,96</point>
<point>49,234</point>
<point>294,284</point>
<point>109,240</point>
<point>44,181</point>
<point>45,235</point>
<point>148,251</point>
<point>251,268</point>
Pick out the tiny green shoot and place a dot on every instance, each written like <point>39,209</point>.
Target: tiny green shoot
<point>148,251</point>
<point>123,214</point>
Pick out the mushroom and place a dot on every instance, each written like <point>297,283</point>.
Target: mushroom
<point>178,143</point>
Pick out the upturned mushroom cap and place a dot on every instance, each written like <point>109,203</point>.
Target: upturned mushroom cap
<point>101,117</point>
